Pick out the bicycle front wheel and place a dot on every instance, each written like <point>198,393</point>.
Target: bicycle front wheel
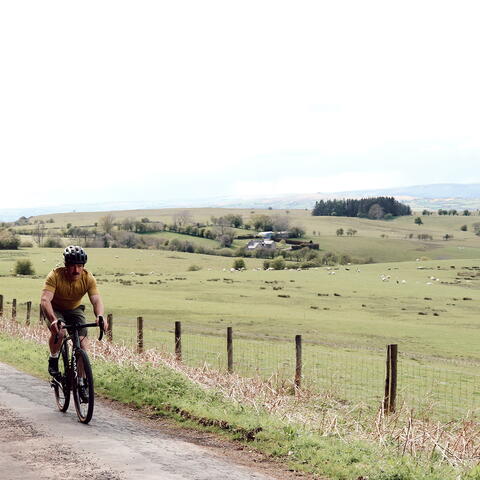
<point>61,383</point>
<point>83,387</point>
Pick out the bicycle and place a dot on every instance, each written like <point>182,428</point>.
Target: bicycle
<point>73,360</point>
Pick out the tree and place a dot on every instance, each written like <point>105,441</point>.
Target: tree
<point>106,223</point>
<point>128,224</point>
<point>39,233</point>
<point>466,213</point>
<point>351,232</point>
<point>22,221</point>
<point>8,240</point>
<point>262,222</point>
<point>182,218</point>
<point>280,223</point>
<point>233,220</point>
<point>226,239</point>
<point>418,221</point>
<point>375,212</point>
<point>339,232</point>
<point>296,232</point>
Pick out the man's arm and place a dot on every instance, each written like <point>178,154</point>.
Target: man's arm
<point>46,304</point>
<point>98,309</point>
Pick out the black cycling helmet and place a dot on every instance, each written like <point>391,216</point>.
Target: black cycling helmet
<point>74,255</point>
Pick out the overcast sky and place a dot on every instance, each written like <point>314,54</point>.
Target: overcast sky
<point>156,100</point>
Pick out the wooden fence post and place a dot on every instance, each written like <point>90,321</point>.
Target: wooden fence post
<point>298,363</point>
<point>230,349</point>
<point>110,328</point>
<point>1,305</point>
<point>29,311</point>
<point>14,309</point>
<point>41,316</point>
<point>178,341</point>
<point>390,398</point>
<point>140,335</point>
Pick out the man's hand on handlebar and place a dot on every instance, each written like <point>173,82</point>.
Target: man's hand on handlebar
<point>102,322</point>
<point>54,327</point>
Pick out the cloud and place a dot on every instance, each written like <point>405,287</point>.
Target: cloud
<point>331,183</point>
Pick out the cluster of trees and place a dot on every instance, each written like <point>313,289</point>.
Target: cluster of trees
<point>8,240</point>
<point>466,213</point>
<point>350,232</point>
<point>375,208</point>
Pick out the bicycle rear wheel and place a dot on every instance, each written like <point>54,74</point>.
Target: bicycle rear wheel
<point>83,395</point>
<point>61,383</point>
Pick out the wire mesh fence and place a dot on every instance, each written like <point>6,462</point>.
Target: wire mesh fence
<point>449,389</point>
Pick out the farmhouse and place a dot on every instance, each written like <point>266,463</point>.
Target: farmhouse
<point>257,244</point>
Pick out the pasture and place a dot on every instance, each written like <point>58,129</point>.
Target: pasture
<point>383,241</point>
<point>428,307</point>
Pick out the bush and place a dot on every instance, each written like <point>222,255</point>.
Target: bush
<point>51,242</point>
<point>194,268</point>
<point>24,267</point>
<point>297,232</point>
<point>329,258</point>
<point>278,263</point>
<point>239,263</point>
<point>463,228</point>
<point>266,264</point>
<point>9,241</point>
<point>309,264</point>
<point>26,244</point>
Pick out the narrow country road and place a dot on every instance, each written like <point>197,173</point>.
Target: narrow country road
<point>39,442</point>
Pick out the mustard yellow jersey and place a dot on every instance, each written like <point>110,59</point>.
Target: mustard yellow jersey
<point>67,295</point>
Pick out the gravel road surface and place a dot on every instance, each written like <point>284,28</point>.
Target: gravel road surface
<point>39,442</point>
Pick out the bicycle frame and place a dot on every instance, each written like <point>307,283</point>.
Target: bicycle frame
<point>71,381</point>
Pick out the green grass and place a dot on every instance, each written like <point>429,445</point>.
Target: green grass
<point>171,394</point>
<point>365,312</point>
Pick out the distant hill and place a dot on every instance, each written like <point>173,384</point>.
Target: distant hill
<point>434,191</point>
<point>435,196</point>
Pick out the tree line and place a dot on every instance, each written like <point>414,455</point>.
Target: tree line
<point>375,208</point>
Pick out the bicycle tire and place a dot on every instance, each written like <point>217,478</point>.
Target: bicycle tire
<point>61,385</point>
<point>83,407</point>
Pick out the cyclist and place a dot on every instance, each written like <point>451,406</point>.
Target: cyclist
<point>61,300</point>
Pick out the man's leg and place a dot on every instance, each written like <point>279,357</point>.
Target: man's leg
<point>54,343</point>
<point>77,317</point>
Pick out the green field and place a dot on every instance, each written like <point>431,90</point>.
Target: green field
<point>382,241</point>
<point>345,306</point>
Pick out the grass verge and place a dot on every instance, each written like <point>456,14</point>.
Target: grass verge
<point>171,394</point>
